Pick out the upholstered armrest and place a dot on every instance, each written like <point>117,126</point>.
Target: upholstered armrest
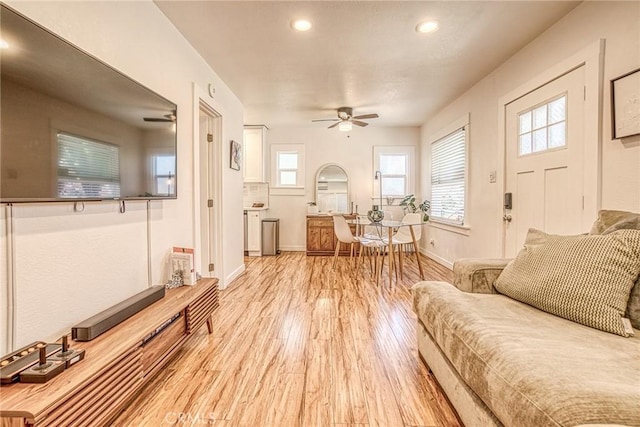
<point>477,275</point>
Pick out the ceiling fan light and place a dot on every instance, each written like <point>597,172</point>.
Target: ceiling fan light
<point>301,25</point>
<point>427,27</point>
<point>345,126</point>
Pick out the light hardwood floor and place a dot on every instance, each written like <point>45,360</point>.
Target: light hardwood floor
<point>296,343</point>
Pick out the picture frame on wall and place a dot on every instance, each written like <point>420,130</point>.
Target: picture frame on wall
<point>236,155</point>
<point>625,105</point>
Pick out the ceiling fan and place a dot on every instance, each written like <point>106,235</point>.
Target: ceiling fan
<point>346,119</point>
<point>166,118</point>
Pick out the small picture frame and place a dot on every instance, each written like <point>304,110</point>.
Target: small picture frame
<point>236,155</point>
<point>182,263</point>
<point>625,105</point>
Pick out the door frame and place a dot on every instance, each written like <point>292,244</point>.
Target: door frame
<point>201,99</point>
<point>592,58</point>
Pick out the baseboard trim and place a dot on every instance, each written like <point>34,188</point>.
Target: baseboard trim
<point>233,276</point>
<point>293,248</point>
<point>437,258</point>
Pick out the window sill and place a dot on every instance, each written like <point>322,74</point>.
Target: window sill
<point>454,228</point>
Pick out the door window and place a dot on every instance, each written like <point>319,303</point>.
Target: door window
<point>543,127</point>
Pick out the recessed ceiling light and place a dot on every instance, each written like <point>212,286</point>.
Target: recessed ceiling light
<point>301,25</point>
<point>4,44</point>
<point>427,27</point>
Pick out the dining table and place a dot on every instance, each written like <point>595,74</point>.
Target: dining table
<point>384,230</point>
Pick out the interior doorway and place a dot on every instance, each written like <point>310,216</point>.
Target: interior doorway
<point>544,147</point>
<point>207,176</point>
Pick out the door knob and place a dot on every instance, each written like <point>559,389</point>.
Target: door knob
<point>506,218</point>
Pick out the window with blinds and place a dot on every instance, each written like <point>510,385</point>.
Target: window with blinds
<point>287,168</point>
<point>448,169</point>
<point>394,174</point>
<point>87,168</point>
<point>396,163</point>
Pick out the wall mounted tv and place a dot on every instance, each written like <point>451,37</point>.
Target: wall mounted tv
<point>73,128</point>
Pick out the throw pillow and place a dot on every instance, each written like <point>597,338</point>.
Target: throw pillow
<point>609,221</point>
<point>633,306</point>
<point>585,279</point>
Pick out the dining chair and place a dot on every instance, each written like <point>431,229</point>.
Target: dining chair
<point>344,235</point>
<point>373,246</point>
<point>403,236</point>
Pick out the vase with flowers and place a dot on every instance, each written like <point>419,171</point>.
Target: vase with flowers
<point>375,214</point>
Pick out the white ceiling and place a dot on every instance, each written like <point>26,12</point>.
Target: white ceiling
<point>362,54</point>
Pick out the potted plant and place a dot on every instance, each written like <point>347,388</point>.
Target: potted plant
<point>312,208</point>
<point>408,204</point>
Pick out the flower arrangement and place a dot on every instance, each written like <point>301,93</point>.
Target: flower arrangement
<point>408,204</point>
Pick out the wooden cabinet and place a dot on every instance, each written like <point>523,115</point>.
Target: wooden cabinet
<point>117,364</point>
<point>254,154</point>
<point>321,239</point>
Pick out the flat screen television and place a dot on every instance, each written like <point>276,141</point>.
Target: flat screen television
<point>74,128</point>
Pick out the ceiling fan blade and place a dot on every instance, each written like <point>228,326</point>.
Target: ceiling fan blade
<point>334,125</point>
<point>325,120</point>
<point>155,119</point>
<point>165,118</point>
<point>359,123</point>
<point>367,116</point>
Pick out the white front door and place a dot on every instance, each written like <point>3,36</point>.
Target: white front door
<point>545,160</point>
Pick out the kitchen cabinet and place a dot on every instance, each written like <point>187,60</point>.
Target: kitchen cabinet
<point>254,232</point>
<point>254,154</point>
<point>321,239</point>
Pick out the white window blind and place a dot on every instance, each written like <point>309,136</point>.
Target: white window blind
<point>394,174</point>
<point>448,164</point>
<point>396,163</point>
<point>87,168</point>
<point>287,168</point>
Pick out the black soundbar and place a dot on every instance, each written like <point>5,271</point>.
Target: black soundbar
<point>107,319</point>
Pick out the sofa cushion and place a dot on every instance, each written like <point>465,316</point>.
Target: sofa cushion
<point>608,222</point>
<point>583,278</point>
<point>529,367</point>
<point>477,275</point>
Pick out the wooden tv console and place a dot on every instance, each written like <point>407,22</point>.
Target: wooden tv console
<point>117,364</point>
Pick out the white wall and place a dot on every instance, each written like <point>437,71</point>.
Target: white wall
<point>88,261</point>
<point>353,151</point>
<point>619,24</point>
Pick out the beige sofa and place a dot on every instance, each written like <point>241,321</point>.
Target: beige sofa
<point>502,362</point>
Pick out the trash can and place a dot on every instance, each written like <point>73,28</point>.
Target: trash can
<point>270,236</point>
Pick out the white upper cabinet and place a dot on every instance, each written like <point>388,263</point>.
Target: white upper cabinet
<point>255,149</point>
